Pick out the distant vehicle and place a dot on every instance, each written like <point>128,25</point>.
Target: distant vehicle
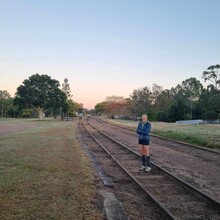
<point>125,117</point>
<point>137,119</point>
<point>88,115</point>
<point>114,117</point>
<point>80,115</point>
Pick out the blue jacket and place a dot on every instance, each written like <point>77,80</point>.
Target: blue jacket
<point>143,130</point>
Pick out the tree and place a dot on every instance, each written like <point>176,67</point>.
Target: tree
<point>162,105</point>
<point>100,108</point>
<point>191,90</point>
<point>213,75</point>
<point>156,91</point>
<point>141,101</point>
<point>116,105</point>
<point>66,88</point>
<point>5,102</point>
<point>183,100</point>
<point>74,107</point>
<point>41,92</point>
<point>210,98</point>
<point>209,103</point>
<point>70,103</point>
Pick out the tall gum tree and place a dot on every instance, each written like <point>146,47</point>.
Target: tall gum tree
<point>212,74</point>
<point>41,92</point>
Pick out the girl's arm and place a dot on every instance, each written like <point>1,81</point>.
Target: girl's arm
<point>146,131</point>
<point>138,129</point>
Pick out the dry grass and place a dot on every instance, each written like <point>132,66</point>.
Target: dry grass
<point>204,135</point>
<point>44,173</point>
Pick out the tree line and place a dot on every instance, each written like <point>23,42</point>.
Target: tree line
<point>188,100</point>
<point>39,95</point>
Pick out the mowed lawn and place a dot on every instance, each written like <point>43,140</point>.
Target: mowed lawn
<point>207,135</point>
<point>44,172</point>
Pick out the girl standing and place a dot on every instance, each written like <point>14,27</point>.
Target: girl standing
<point>143,131</point>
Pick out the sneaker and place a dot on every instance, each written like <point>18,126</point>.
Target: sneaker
<point>147,169</point>
<point>142,168</point>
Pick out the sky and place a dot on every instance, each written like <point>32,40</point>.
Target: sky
<point>107,47</point>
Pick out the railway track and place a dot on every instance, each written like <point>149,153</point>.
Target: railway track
<point>133,198</point>
<point>177,198</point>
<point>196,166</point>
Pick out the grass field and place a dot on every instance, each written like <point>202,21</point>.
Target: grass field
<point>203,135</point>
<point>44,173</point>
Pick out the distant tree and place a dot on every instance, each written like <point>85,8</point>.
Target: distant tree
<point>141,101</point>
<point>12,110</point>
<point>162,105</point>
<point>116,105</point>
<point>74,107</point>
<point>80,107</point>
<point>212,74</point>
<point>210,99</point>
<point>188,100</point>
<point>114,98</point>
<point>183,100</point>
<point>191,90</point>
<point>209,103</point>
<point>100,108</point>
<point>156,91</point>
<point>70,103</point>
<point>41,92</point>
<point>66,88</point>
<point>5,102</point>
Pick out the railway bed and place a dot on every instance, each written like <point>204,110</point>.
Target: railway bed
<point>182,200</point>
<point>196,166</point>
<point>136,204</point>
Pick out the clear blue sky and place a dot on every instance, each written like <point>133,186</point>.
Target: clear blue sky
<point>107,47</point>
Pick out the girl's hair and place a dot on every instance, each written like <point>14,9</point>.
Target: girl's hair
<point>145,115</point>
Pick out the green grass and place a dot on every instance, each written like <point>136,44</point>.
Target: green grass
<point>182,137</point>
<point>203,135</point>
<point>44,173</point>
